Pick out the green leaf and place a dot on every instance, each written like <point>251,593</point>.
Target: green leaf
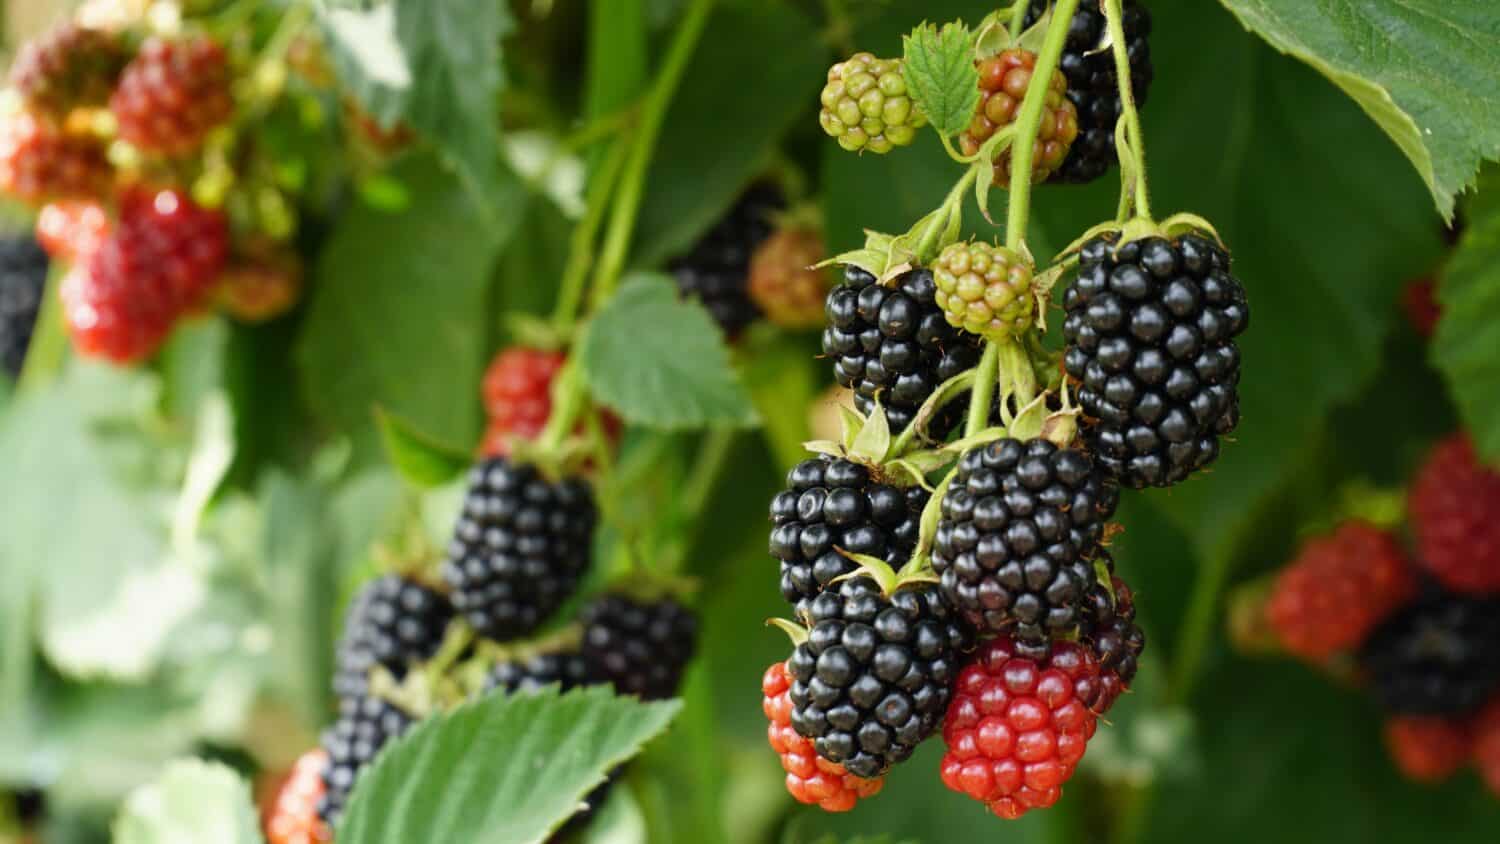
<point>1425,70</point>
<point>398,316</point>
<point>722,129</point>
<point>419,460</point>
<point>502,770</point>
<point>191,801</point>
<point>939,71</point>
<point>661,362</point>
<point>1468,333</point>
<point>434,66</point>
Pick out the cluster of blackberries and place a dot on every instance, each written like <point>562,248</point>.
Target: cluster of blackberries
<point>23,278</point>
<point>717,270</point>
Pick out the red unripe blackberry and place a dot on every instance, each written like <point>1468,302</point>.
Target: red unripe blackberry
<point>895,343</point>
<point>293,818</point>
<point>1021,525</point>
<point>23,281</point>
<point>1092,85</point>
<point>875,674</point>
<point>640,648</point>
<point>1018,727</point>
<point>810,778</point>
<point>172,94</point>
<point>72,229</point>
<point>1427,750</point>
<point>113,309</point>
<point>39,163</point>
<point>784,283</point>
<point>1454,505</point>
<point>170,236</point>
<point>1337,589</point>
<point>517,389</point>
<point>393,622</point>
<point>364,726</point>
<point>1419,301</point>
<point>717,270</point>
<point>832,505</point>
<point>260,288</point>
<point>1150,332</point>
<point>520,546</point>
<point>1114,638</point>
<point>72,66</point>
<point>1486,750</point>
<point>1440,656</point>
<point>1003,80</point>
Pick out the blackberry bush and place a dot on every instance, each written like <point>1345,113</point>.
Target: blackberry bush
<point>392,622</point>
<point>717,271</point>
<point>23,277</point>
<point>829,505</point>
<point>640,648</point>
<point>519,548</point>
<point>1150,330</point>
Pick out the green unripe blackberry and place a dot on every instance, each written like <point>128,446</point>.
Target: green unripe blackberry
<point>866,105</point>
<point>984,289</point>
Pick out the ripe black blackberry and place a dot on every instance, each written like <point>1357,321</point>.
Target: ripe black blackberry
<point>876,672</point>
<point>567,670</point>
<point>832,504</point>
<point>1091,83</point>
<point>23,277</point>
<point>640,648</point>
<point>520,547</point>
<point>1021,526</point>
<point>894,342</point>
<point>1108,626</point>
<point>392,622</point>
<point>717,271</point>
<point>1440,656</point>
<point>364,726</point>
<point>1150,329</point>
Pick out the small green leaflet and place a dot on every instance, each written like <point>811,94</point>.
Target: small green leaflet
<point>1468,333</point>
<point>192,801</point>
<point>501,770</point>
<point>661,362</point>
<point>419,459</point>
<point>940,73</point>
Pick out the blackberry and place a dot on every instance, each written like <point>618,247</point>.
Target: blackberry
<point>364,726</point>
<point>717,270</point>
<point>1439,656</point>
<point>1109,628</point>
<point>1021,525</point>
<point>832,504</point>
<point>69,67</point>
<point>640,648</point>
<point>866,105</point>
<point>894,342</point>
<point>875,674</point>
<point>1150,329</point>
<point>173,94</point>
<point>520,547</point>
<point>1091,83</point>
<point>1003,80</point>
<point>567,670</point>
<point>392,622</point>
<point>23,278</point>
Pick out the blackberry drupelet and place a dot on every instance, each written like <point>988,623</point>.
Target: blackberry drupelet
<point>1439,656</point>
<point>1150,329</point>
<point>392,622</point>
<point>1021,525</point>
<point>832,504</point>
<point>895,343</point>
<point>567,670</point>
<point>364,726</point>
<point>1091,83</point>
<point>875,674</point>
<point>520,547</point>
<point>1109,628</point>
<point>23,277</point>
<point>717,271</point>
<point>640,648</point>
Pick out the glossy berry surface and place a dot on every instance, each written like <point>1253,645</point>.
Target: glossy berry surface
<point>831,504</point>
<point>894,342</point>
<point>364,726</point>
<point>71,230</point>
<point>1003,80</point>
<point>1093,88</point>
<point>172,94</point>
<point>1017,727</point>
<point>717,270</point>
<point>71,66</point>
<point>1439,656</point>
<point>1113,637</point>
<point>984,290</point>
<point>23,278</point>
<point>519,548</point>
<point>1021,525</point>
<point>293,818</point>
<point>392,622</point>
<point>810,778</point>
<point>40,163</point>
<point>1150,330</point>
<point>1427,750</point>
<point>874,677</point>
<point>784,284</point>
<point>1454,507</point>
<point>641,648</point>
<point>1337,589</point>
<point>866,106</point>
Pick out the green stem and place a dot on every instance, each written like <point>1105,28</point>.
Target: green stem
<point>581,249</point>
<point>713,457</point>
<point>1018,18</point>
<point>985,378</point>
<point>943,218</point>
<point>1115,22</point>
<point>569,399</point>
<point>1023,149</point>
<point>49,340</point>
<point>633,182</point>
<point>1199,624</point>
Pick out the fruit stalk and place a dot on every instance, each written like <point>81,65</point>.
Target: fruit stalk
<point>1114,18</point>
<point>1018,211</point>
<point>581,247</point>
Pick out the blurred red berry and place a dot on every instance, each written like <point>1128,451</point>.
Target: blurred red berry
<point>173,94</point>
<point>72,66</point>
<point>39,162</point>
<point>293,818</point>
<point>1487,745</point>
<point>1454,506</point>
<point>1419,300</point>
<point>72,229</point>
<point>810,778</point>
<point>1427,750</point>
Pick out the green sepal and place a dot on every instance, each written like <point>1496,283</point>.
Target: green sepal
<point>1061,428</point>
<point>984,180</point>
<point>931,515</point>
<point>883,256</point>
<point>534,332</point>
<point>945,393</point>
<point>828,447</point>
<point>993,34</point>
<point>872,445</point>
<point>1034,37</point>
<point>913,473</point>
<point>794,631</point>
<point>850,423</point>
<point>1030,420</point>
<point>874,568</point>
